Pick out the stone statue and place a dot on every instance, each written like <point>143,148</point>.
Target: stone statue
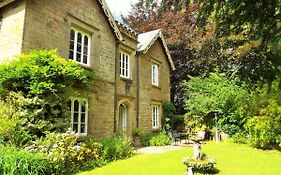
<point>197,151</point>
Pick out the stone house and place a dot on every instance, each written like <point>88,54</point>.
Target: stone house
<point>133,70</point>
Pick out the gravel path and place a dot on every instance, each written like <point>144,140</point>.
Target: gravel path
<point>156,149</point>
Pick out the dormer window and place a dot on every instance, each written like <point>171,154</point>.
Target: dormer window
<point>79,48</point>
<point>124,65</point>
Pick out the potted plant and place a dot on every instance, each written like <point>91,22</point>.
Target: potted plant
<point>136,132</point>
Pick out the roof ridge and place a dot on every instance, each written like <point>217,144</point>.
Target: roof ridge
<point>147,39</point>
<point>127,29</point>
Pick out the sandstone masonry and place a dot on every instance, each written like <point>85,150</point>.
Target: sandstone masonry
<point>115,103</point>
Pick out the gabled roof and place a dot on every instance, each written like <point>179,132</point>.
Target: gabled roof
<point>105,9</point>
<point>111,20</point>
<point>125,29</point>
<point>146,40</point>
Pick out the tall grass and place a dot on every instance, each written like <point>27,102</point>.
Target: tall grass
<point>20,162</point>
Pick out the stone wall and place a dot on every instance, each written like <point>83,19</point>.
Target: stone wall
<point>149,94</point>
<point>41,24</point>
<point>126,88</point>
<point>48,25</point>
<point>11,29</point>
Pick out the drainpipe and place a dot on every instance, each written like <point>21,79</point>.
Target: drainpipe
<point>138,88</point>
<point>115,84</point>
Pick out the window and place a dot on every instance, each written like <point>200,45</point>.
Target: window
<point>155,80</point>
<point>124,65</point>
<point>155,117</point>
<point>79,115</point>
<point>79,47</point>
<point>122,117</point>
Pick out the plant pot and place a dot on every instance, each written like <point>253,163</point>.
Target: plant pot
<point>137,141</point>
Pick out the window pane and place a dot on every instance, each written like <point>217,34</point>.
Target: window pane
<point>79,38</point>
<point>76,105</point>
<point>85,50</point>
<point>85,59</point>
<point>83,117</point>
<point>120,59</point>
<point>78,57</point>
<point>75,117</point>
<point>71,54</point>
<point>85,41</point>
<point>72,34</point>
<point>71,45</point>
<point>83,128</point>
<point>79,48</point>
<point>75,127</point>
<point>83,106</point>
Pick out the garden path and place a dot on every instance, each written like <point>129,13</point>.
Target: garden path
<point>156,149</point>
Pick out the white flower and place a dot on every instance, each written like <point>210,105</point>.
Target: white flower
<point>55,146</point>
<point>77,147</point>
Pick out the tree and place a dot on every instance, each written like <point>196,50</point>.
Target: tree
<point>254,20</point>
<point>217,93</point>
<point>177,20</point>
<point>250,34</point>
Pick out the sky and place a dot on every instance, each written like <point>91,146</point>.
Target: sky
<point>120,7</point>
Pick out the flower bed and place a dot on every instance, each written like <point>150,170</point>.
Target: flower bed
<point>205,165</point>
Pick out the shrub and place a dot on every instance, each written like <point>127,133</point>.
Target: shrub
<point>11,131</point>
<point>36,84</point>
<point>64,152</point>
<point>19,162</point>
<point>116,148</point>
<point>41,73</point>
<point>177,122</point>
<point>265,127</point>
<point>168,112</point>
<point>240,137</point>
<point>136,132</point>
<point>159,139</point>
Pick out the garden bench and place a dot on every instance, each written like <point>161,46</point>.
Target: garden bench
<point>176,137</point>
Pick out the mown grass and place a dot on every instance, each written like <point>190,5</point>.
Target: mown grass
<point>232,159</point>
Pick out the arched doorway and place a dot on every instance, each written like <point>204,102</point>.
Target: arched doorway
<point>123,115</point>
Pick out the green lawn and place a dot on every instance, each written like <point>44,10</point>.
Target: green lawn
<point>232,159</point>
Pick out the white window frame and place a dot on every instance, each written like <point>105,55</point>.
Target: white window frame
<point>80,123</point>
<point>74,56</point>
<point>155,117</point>
<point>124,65</point>
<point>123,115</point>
<point>155,75</point>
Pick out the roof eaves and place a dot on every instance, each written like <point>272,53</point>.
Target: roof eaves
<point>127,30</point>
<point>161,36</point>
<point>167,51</point>
<point>111,20</point>
<point>5,2</point>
